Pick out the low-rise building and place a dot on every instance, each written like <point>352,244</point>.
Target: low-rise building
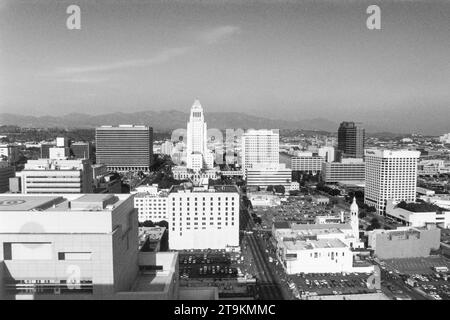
<point>264,175</point>
<point>349,169</point>
<point>405,242</point>
<point>56,176</point>
<point>418,214</point>
<point>307,162</point>
<point>263,199</point>
<point>151,203</point>
<point>203,218</point>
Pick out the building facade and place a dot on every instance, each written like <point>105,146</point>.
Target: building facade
<point>260,147</point>
<point>151,203</point>
<point>56,176</point>
<point>201,218</point>
<point>80,247</point>
<point>81,150</point>
<point>6,172</point>
<point>390,175</point>
<point>307,162</point>
<point>263,175</point>
<point>351,138</point>
<point>346,170</point>
<point>198,156</point>
<point>404,242</point>
<point>125,148</point>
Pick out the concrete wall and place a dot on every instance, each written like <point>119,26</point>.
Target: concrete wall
<point>408,248</point>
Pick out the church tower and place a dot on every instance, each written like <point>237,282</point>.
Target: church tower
<point>354,220</point>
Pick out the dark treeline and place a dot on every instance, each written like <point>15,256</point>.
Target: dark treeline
<point>18,134</point>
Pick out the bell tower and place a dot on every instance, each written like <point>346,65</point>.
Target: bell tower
<point>354,220</point>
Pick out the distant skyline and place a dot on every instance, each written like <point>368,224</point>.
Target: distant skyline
<point>290,60</point>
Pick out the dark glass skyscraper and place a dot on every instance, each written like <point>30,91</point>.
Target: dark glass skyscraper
<point>351,137</point>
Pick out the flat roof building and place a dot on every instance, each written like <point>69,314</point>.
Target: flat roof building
<point>262,175</point>
<point>307,162</point>
<point>56,176</point>
<point>203,218</point>
<point>404,242</point>
<point>260,147</point>
<point>347,170</point>
<point>124,148</point>
<point>390,175</point>
<point>78,246</point>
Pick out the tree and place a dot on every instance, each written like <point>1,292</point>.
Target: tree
<point>279,189</point>
<point>374,224</point>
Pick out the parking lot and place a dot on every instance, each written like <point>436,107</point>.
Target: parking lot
<point>208,265</point>
<point>295,208</point>
<point>330,284</point>
<point>419,274</point>
<point>416,265</point>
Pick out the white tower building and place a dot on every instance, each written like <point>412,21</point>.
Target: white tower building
<point>260,147</point>
<point>390,175</point>
<point>198,155</point>
<point>354,220</point>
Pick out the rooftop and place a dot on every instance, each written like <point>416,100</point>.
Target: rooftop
<point>220,188</point>
<point>418,206</point>
<point>61,202</point>
<point>313,244</point>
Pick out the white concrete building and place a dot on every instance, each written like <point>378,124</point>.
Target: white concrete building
<point>431,167</point>
<point>58,153</point>
<point>390,175</point>
<point>318,248</point>
<point>201,218</point>
<point>56,176</point>
<point>307,162</point>
<point>260,147</point>
<point>445,138</point>
<point>78,246</point>
<point>167,147</point>
<point>197,154</point>
<point>151,203</point>
<point>327,153</point>
<point>349,169</point>
<point>418,214</point>
<point>263,175</point>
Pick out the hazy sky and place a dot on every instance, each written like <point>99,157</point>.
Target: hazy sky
<point>283,59</point>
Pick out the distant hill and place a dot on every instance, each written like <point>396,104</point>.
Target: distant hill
<point>164,120</point>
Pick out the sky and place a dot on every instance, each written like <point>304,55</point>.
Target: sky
<point>280,59</point>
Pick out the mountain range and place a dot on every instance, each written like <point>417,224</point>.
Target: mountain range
<point>164,120</point>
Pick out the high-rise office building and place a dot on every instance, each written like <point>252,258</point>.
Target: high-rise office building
<point>197,154</point>
<point>390,175</point>
<point>351,137</point>
<point>125,148</point>
<point>260,147</point>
